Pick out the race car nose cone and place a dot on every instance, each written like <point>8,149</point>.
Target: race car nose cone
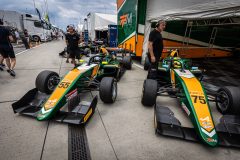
<point>43,115</point>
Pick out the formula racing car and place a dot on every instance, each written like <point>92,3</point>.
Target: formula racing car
<point>113,64</point>
<point>61,99</point>
<point>177,78</point>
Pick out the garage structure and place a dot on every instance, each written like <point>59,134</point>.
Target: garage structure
<point>97,24</point>
<point>199,28</point>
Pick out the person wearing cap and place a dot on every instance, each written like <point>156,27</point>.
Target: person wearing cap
<point>72,41</point>
<point>6,49</point>
<point>155,48</point>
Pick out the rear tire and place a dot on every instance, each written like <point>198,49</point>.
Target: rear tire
<point>127,62</point>
<point>46,81</point>
<point>108,90</point>
<point>228,100</point>
<point>149,93</point>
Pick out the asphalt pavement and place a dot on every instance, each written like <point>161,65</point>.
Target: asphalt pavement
<point>123,130</point>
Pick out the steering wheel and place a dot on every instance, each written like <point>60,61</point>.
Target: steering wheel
<point>95,59</point>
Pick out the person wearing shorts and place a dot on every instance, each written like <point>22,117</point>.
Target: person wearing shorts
<point>72,41</point>
<point>6,49</point>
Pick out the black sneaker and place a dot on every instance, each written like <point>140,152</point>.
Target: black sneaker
<point>1,68</point>
<point>2,65</point>
<point>12,73</point>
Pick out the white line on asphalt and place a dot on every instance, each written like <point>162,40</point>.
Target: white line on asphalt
<point>139,66</point>
<point>27,50</point>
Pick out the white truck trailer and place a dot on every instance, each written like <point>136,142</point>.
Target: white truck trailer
<point>37,29</point>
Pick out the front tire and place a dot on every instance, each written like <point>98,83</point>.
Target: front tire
<point>108,90</point>
<point>228,100</point>
<point>46,81</point>
<point>149,93</point>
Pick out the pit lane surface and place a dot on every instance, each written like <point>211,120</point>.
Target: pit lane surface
<point>123,130</point>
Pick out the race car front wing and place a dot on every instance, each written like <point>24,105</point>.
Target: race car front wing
<point>167,124</point>
<point>30,104</point>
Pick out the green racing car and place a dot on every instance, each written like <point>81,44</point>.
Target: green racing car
<point>60,99</point>
<point>177,78</point>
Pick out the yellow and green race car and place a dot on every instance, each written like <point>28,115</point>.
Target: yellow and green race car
<point>178,79</point>
<point>61,99</point>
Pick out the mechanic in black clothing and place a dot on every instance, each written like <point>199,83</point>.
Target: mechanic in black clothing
<point>72,41</point>
<point>6,49</point>
<point>67,31</point>
<point>155,48</point>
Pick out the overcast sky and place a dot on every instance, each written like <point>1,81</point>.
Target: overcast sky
<point>62,12</point>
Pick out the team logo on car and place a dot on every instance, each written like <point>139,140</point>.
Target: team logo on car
<point>211,140</point>
<point>206,122</point>
<point>49,104</point>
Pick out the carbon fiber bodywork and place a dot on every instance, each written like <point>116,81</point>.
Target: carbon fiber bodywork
<point>167,124</point>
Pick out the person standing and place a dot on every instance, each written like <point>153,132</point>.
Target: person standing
<point>24,37</point>
<point>155,48</point>
<point>67,32</point>
<point>72,41</point>
<point>6,49</point>
<point>17,35</point>
<point>2,65</point>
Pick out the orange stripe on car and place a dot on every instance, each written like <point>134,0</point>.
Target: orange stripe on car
<point>201,109</point>
<point>61,88</point>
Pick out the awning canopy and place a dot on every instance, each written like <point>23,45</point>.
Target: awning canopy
<point>103,20</point>
<point>100,22</point>
<point>188,9</point>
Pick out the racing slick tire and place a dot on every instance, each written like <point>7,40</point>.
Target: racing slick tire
<point>227,100</point>
<point>146,64</point>
<point>149,93</point>
<point>127,62</point>
<point>46,81</point>
<point>108,90</point>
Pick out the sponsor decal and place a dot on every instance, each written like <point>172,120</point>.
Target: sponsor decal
<point>185,109</point>
<point>173,78</point>
<point>206,122</point>
<point>48,105</point>
<point>186,74</point>
<point>88,115</point>
<point>196,93</point>
<point>71,94</point>
<point>86,67</point>
<point>211,140</point>
<point>126,19</point>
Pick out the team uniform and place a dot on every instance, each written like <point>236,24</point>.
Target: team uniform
<point>6,48</point>
<point>73,45</point>
<point>157,42</point>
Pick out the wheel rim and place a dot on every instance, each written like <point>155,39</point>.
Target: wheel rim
<point>36,39</point>
<point>223,101</point>
<point>114,91</point>
<point>52,82</point>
